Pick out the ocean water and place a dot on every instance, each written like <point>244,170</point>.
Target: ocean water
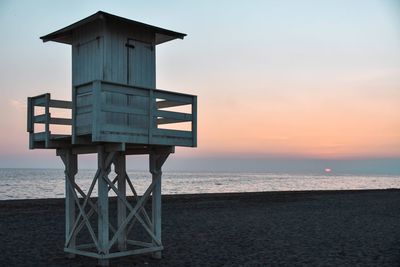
<point>50,183</point>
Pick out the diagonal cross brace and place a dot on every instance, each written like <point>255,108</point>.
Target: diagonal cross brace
<point>85,220</point>
<point>132,210</point>
<point>139,204</point>
<point>143,210</point>
<point>81,207</point>
<point>93,210</point>
<point>84,216</point>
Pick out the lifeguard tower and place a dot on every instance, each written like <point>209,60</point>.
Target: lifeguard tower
<point>116,111</point>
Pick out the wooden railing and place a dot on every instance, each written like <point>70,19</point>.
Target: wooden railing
<point>165,117</point>
<point>113,112</point>
<point>116,113</point>
<point>44,139</point>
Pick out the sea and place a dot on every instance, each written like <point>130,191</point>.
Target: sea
<point>50,183</point>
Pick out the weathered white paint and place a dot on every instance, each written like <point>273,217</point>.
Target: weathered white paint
<point>116,111</point>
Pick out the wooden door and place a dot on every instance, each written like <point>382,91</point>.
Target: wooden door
<point>141,64</point>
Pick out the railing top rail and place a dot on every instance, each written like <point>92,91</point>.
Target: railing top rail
<point>137,87</point>
<point>172,92</point>
<point>39,96</point>
<point>40,101</point>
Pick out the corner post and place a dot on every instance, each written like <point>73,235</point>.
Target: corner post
<point>96,111</point>
<point>71,169</point>
<point>103,219</point>
<point>120,170</point>
<point>157,159</point>
<point>47,120</point>
<point>152,110</point>
<point>73,116</point>
<point>194,121</point>
<point>30,116</point>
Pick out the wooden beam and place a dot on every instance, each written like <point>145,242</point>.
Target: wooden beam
<point>47,121</point>
<point>39,100</point>
<point>124,89</point>
<point>44,117</point>
<point>173,115</point>
<point>122,129</point>
<point>140,243</point>
<point>168,121</point>
<point>143,210</point>
<point>93,208</point>
<point>133,212</point>
<point>40,118</point>
<point>39,136</point>
<point>123,109</point>
<point>96,111</point>
<point>71,169</point>
<point>61,121</point>
<point>169,104</point>
<point>115,254</point>
<point>151,118</point>
<point>156,160</point>
<point>173,96</point>
<point>173,133</point>
<point>120,170</point>
<point>85,218</point>
<point>194,121</point>
<point>76,228</point>
<point>60,104</point>
<point>104,161</point>
<point>31,113</point>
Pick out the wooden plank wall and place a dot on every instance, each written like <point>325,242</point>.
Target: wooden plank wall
<point>87,54</point>
<point>113,112</point>
<point>84,109</point>
<point>127,60</point>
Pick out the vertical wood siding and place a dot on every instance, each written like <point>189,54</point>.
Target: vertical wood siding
<point>87,54</point>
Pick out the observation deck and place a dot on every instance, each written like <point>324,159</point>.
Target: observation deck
<point>105,112</point>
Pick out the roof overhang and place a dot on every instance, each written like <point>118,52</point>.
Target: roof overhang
<point>64,35</point>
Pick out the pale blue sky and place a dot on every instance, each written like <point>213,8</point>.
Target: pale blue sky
<point>285,58</point>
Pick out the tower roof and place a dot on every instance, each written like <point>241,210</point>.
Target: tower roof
<point>64,35</point>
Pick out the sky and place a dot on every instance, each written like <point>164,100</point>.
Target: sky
<point>281,85</point>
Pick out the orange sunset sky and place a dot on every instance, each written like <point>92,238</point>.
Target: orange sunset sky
<point>274,79</point>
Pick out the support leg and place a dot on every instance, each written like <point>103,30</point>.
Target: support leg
<point>157,159</point>
<point>103,234</point>
<point>156,210</point>
<point>71,168</point>
<point>120,170</point>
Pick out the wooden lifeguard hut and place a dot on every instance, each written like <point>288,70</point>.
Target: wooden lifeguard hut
<point>116,111</point>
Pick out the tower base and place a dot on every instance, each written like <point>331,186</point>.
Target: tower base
<point>109,237</point>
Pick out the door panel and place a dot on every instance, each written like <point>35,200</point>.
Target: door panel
<point>141,64</point>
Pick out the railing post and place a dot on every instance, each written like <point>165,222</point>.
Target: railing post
<point>71,168</point>
<point>47,121</point>
<point>103,222</point>
<point>30,126</point>
<point>30,115</point>
<point>73,116</point>
<point>194,121</point>
<point>152,106</point>
<point>156,161</point>
<point>120,170</point>
<point>96,111</point>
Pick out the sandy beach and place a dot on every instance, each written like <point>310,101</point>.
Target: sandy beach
<point>317,228</point>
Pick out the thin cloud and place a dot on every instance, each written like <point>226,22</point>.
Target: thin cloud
<point>17,104</point>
